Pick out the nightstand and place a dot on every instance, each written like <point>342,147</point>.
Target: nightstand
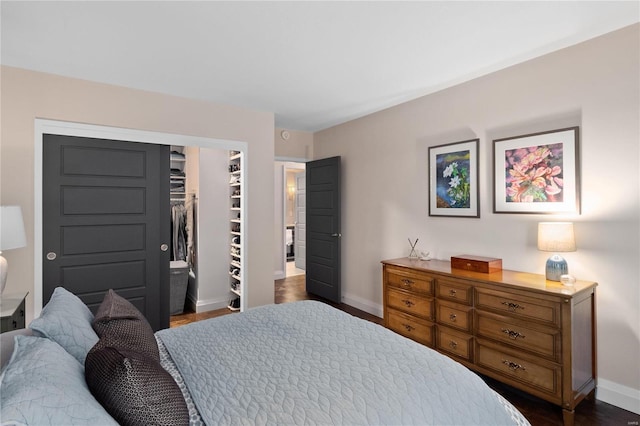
<point>12,311</point>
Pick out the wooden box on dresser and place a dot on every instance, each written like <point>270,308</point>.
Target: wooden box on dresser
<point>535,335</point>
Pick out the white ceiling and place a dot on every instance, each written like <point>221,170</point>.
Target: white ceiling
<point>314,64</point>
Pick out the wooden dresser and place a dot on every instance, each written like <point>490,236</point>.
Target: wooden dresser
<point>518,328</point>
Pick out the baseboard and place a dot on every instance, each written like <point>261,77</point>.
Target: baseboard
<point>279,275</point>
<point>621,396</point>
<point>211,304</point>
<point>363,304</point>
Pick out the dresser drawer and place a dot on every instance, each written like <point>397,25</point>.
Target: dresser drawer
<point>519,306</point>
<point>543,341</point>
<point>410,303</point>
<point>454,315</point>
<point>454,290</point>
<point>455,343</point>
<point>409,280</point>
<point>544,377</point>
<point>409,326</point>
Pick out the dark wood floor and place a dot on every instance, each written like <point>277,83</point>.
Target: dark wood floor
<point>538,412</point>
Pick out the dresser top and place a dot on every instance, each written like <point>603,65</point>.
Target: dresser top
<point>10,302</point>
<point>524,280</point>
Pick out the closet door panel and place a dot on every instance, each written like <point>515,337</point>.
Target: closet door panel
<point>108,200</point>
<point>98,239</point>
<point>107,161</point>
<point>119,275</point>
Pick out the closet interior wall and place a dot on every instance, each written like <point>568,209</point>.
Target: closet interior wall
<point>207,184</point>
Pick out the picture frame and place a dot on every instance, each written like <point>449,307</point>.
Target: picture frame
<point>537,173</point>
<point>453,179</point>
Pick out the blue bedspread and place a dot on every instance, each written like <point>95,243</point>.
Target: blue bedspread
<point>308,363</point>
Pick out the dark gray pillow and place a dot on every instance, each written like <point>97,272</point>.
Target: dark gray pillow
<point>134,388</point>
<point>121,325</point>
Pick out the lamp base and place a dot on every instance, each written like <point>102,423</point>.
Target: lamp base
<point>556,267</point>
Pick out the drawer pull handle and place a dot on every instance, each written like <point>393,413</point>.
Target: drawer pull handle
<point>408,327</point>
<point>407,282</point>
<point>512,306</point>
<point>452,293</point>
<point>453,344</point>
<point>408,303</point>
<point>513,335</point>
<point>452,317</point>
<point>512,365</point>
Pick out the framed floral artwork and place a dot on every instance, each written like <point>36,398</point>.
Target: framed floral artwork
<point>537,173</point>
<point>453,179</point>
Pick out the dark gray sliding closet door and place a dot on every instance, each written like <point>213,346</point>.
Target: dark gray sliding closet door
<point>106,222</point>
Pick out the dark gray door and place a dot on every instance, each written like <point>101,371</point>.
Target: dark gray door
<point>323,228</point>
<point>105,219</point>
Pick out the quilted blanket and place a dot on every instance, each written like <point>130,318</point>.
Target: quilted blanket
<point>309,363</point>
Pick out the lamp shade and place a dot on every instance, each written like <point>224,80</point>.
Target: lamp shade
<point>556,237</point>
<point>11,228</point>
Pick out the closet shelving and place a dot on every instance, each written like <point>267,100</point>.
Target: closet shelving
<point>177,175</point>
<point>235,263</point>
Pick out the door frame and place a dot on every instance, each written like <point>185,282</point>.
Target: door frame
<point>68,128</point>
<point>297,242</point>
<point>288,163</point>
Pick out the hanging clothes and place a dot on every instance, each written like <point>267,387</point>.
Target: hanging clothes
<point>190,205</point>
<point>178,231</point>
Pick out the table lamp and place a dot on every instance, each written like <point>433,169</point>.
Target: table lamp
<point>11,236</point>
<point>556,237</point>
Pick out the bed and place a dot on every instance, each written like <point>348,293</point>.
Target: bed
<point>296,363</point>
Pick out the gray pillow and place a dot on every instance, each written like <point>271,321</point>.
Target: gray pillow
<point>67,321</point>
<point>134,388</point>
<point>121,325</point>
<point>44,384</point>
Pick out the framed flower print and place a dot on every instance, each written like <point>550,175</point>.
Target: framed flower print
<point>453,179</point>
<point>537,173</point>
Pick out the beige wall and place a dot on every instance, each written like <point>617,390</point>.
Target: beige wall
<point>27,95</point>
<point>594,85</point>
<point>298,147</point>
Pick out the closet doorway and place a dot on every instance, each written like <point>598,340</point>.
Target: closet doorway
<point>200,191</point>
<point>43,127</point>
